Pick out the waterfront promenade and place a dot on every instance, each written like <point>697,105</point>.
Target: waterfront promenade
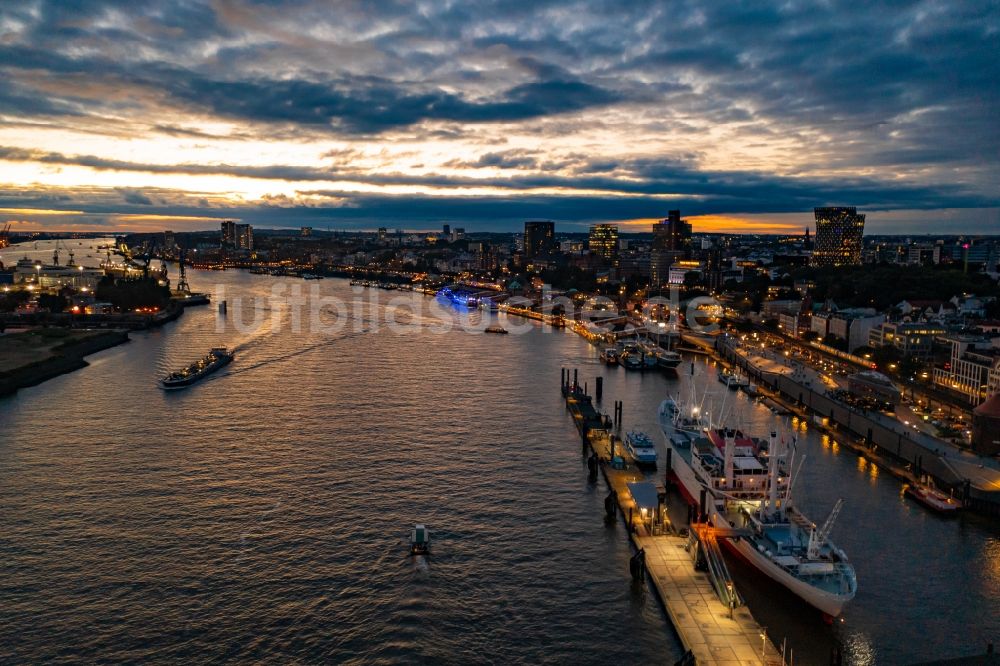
<point>905,451</point>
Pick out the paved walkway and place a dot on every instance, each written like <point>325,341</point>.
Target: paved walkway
<point>701,620</point>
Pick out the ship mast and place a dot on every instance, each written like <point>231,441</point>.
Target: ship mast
<point>772,474</point>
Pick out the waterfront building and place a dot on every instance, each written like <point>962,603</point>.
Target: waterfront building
<point>909,338</point>
<point>228,234</point>
<point>973,368</point>
<point>539,239</point>
<point>603,241</point>
<point>56,277</point>
<point>244,237</point>
<point>839,233</point>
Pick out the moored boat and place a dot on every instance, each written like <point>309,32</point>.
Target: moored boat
<point>631,359</point>
<point>927,494</point>
<point>748,484</point>
<point>668,360</point>
<point>215,359</point>
<point>641,448</point>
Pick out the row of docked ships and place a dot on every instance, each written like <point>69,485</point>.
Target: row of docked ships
<point>641,355</point>
<point>748,484</point>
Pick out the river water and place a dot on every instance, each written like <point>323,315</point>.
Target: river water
<point>262,514</point>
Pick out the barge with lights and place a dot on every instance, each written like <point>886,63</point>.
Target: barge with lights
<point>214,360</point>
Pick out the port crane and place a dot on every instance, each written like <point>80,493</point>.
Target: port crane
<point>183,284</point>
<point>5,235</point>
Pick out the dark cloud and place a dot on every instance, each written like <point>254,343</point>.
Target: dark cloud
<point>641,178</point>
<point>135,197</point>
<point>905,92</point>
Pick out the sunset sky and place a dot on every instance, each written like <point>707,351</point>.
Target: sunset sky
<point>152,115</point>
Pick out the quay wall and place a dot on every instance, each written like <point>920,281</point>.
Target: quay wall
<point>874,437</point>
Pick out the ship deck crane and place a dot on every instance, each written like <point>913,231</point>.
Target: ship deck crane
<point>818,538</point>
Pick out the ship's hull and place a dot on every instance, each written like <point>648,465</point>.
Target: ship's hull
<point>828,603</point>
<point>940,505</point>
<point>178,384</point>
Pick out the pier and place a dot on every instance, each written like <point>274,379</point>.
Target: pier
<point>703,606</point>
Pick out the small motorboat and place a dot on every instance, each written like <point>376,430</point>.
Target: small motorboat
<point>420,540</point>
<point>497,329</point>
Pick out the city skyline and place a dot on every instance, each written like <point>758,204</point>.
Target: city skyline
<point>485,116</point>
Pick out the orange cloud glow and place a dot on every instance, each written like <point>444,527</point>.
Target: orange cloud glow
<point>789,223</point>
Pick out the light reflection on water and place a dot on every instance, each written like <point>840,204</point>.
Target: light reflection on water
<point>262,514</point>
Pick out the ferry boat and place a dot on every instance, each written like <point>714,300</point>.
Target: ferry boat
<point>641,448</point>
<point>420,540</point>
<point>924,492</point>
<point>217,358</point>
<point>497,329</point>
<point>748,483</point>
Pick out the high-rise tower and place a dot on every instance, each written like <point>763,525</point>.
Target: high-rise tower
<point>839,232</point>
